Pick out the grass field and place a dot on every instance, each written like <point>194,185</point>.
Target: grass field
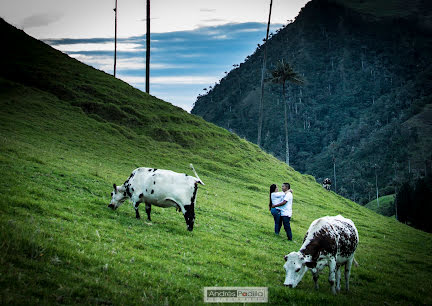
<point>386,205</point>
<point>68,132</point>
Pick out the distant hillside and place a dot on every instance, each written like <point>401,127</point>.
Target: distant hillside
<point>68,132</point>
<point>386,205</point>
<point>366,100</point>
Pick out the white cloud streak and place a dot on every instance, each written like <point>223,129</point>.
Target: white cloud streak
<point>172,80</point>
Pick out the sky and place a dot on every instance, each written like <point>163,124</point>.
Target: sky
<point>193,42</point>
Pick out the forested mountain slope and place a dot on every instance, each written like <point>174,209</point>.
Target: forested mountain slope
<point>366,101</point>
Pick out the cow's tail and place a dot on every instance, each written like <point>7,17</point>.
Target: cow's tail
<point>356,264</point>
<point>196,175</point>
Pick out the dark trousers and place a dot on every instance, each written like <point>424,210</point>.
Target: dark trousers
<point>277,219</point>
<point>286,223</point>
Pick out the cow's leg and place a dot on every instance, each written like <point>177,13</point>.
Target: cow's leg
<point>315,278</point>
<point>348,272</point>
<point>137,215</point>
<point>148,211</point>
<point>338,277</point>
<point>332,274</point>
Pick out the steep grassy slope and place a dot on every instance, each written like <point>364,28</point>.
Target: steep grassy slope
<point>69,131</point>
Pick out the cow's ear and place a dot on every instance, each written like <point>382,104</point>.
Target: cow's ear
<point>115,188</point>
<point>286,257</point>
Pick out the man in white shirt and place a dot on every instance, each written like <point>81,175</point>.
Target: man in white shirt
<point>286,209</point>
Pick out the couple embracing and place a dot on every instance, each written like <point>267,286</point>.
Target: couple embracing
<point>281,208</point>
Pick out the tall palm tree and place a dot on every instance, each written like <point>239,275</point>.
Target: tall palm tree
<point>260,111</point>
<point>115,38</point>
<point>282,74</point>
<point>148,49</point>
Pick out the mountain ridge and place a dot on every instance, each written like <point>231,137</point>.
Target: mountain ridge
<point>365,76</point>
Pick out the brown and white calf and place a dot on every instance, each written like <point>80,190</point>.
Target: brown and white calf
<point>329,241</point>
<point>163,188</point>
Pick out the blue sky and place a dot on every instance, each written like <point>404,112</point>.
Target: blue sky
<point>182,62</point>
<point>193,41</point>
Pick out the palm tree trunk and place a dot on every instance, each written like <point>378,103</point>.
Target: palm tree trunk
<point>334,173</point>
<point>261,105</point>
<point>376,185</point>
<point>148,49</point>
<point>286,126</point>
<point>115,39</point>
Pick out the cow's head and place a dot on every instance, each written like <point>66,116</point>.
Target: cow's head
<point>118,196</point>
<point>295,267</point>
<point>189,216</point>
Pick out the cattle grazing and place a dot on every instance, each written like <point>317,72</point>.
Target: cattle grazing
<point>326,184</point>
<point>163,188</point>
<point>329,241</point>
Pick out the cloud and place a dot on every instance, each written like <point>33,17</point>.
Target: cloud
<point>213,20</point>
<point>185,79</point>
<point>106,63</point>
<point>182,62</point>
<point>40,20</point>
<point>107,46</point>
<point>207,10</point>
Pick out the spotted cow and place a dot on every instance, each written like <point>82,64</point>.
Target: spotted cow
<point>326,184</point>
<point>163,188</point>
<point>329,241</point>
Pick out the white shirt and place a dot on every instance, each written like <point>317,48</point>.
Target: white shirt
<point>277,197</point>
<point>286,210</point>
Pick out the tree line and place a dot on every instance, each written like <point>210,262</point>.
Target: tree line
<point>413,203</point>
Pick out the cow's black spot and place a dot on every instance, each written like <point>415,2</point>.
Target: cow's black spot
<point>194,194</point>
<point>322,242</point>
<point>141,195</point>
<point>154,183</point>
<point>150,170</point>
<point>154,170</point>
<point>152,191</point>
<point>133,190</point>
<point>131,176</point>
<point>128,191</point>
<point>124,193</point>
<point>146,190</point>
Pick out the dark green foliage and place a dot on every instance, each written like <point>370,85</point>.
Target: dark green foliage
<point>414,205</point>
<point>369,91</point>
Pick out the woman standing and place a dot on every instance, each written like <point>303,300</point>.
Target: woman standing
<point>275,198</point>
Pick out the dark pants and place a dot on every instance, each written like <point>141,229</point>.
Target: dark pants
<point>277,219</point>
<point>286,223</point>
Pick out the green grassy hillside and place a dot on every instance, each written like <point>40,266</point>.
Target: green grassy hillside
<point>386,205</point>
<point>69,131</point>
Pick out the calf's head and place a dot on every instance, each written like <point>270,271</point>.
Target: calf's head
<point>118,196</point>
<point>295,267</point>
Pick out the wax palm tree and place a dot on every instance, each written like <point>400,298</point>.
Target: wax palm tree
<point>148,48</point>
<point>261,104</point>
<point>115,37</point>
<point>282,74</point>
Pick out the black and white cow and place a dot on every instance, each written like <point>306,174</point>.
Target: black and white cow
<point>329,241</point>
<point>327,183</point>
<point>163,188</point>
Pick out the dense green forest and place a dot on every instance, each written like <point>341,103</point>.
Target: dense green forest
<point>413,203</point>
<point>365,110</point>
